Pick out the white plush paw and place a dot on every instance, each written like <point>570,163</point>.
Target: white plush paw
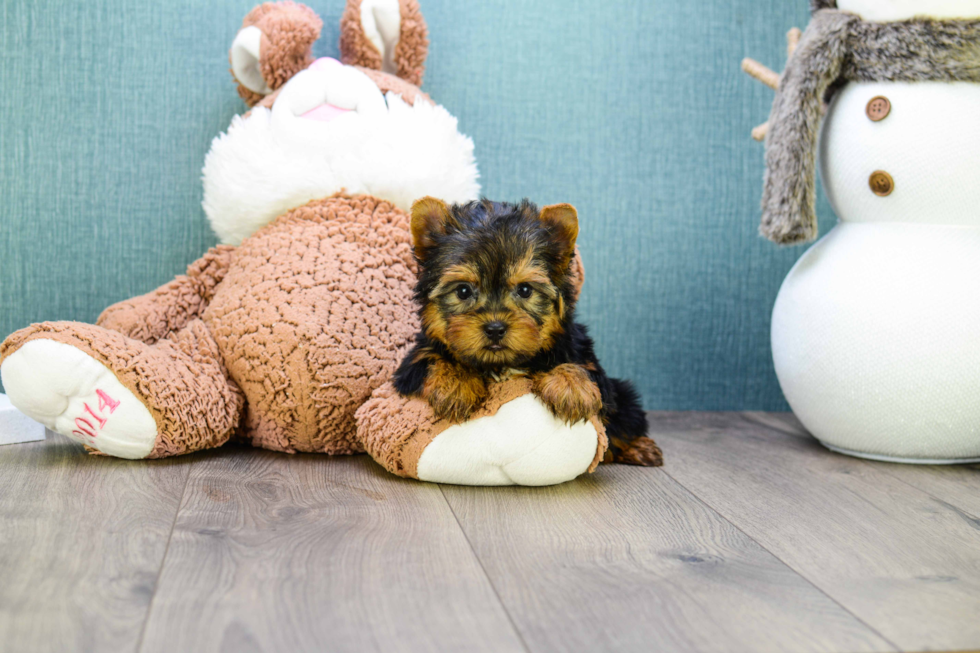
<point>72,393</point>
<point>522,444</point>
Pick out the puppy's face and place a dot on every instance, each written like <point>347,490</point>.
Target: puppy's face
<point>493,279</point>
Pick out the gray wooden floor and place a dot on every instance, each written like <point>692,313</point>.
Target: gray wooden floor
<point>752,538</point>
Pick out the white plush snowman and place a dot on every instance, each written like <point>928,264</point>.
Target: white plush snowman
<point>876,330</point>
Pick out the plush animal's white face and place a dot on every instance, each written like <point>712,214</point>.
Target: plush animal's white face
<point>330,130</point>
<point>888,10</point>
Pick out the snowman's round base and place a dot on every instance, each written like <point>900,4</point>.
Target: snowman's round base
<point>897,459</point>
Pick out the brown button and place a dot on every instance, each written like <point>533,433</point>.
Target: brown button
<point>881,183</point>
<point>878,108</point>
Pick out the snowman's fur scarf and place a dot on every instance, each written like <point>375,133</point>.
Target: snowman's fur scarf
<point>257,171</point>
<point>838,47</point>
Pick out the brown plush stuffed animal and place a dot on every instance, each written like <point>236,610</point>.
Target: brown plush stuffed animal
<point>280,339</point>
<point>279,335</point>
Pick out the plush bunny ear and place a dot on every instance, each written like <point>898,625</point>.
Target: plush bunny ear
<point>273,45</point>
<point>386,35</point>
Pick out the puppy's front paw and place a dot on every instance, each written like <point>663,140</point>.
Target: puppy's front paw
<point>568,392</point>
<point>453,391</point>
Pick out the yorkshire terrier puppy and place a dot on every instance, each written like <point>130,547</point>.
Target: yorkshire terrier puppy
<point>496,298</point>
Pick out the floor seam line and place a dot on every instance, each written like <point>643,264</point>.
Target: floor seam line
<point>896,648</point>
<point>882,466</point>
<point>163,560</point>
<point>928,493</point>
<point>503,606</point>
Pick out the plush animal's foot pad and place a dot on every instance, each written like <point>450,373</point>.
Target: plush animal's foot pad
<point>512,439</point>
<point>522,444</point>
<point>72,393</point>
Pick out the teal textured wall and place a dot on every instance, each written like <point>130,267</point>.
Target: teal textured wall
<point>635,112</point>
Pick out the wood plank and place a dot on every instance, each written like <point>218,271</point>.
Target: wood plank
<point>903,561</point>
<point>308,553</point>
<point>628,560</point>
<point>82,539</point>
<point>958,485</point>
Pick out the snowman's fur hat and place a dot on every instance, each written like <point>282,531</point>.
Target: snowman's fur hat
<point>839,47</point>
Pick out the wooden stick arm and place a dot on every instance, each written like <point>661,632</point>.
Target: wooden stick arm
<point>761,73</point>
<point>768,76</point>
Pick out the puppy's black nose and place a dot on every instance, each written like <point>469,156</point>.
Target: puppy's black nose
<point>495,330</point>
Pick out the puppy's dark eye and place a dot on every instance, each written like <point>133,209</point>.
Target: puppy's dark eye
<point>524,290</point>
<point>464,292</point>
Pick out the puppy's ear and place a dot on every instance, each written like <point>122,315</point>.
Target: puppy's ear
<point>430,218</point>
<point>562,222</point>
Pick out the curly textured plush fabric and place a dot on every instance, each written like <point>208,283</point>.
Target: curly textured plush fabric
<point>841,46</point>
<point>279,340</point>
<point>410,52</point>
<point>387,82</point>
<point>413,43</point>
<point>156,315</point>
<point>289,30</point>
<point>395,430</point>
<point>313,315</point>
